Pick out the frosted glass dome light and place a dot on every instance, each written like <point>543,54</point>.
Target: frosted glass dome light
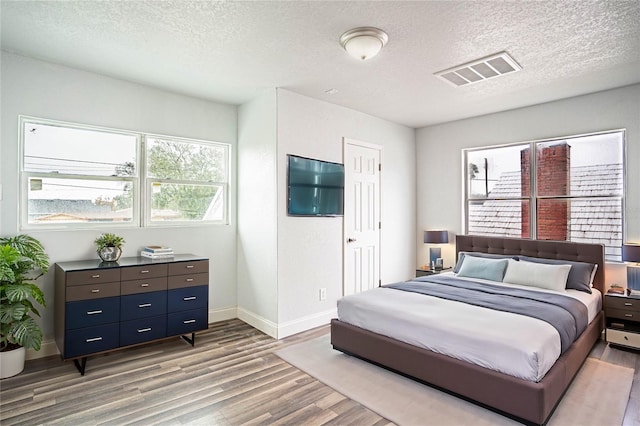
<point>364,43</point>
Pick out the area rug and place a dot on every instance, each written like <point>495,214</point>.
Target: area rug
<point>598,396</point>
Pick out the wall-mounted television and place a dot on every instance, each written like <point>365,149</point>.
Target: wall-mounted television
<point>314,187</point>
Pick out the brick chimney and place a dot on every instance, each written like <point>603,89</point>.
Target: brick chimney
<point>552,178</point>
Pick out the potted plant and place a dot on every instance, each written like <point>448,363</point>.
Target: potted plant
<point>22,261</point>
<point>109,246</point>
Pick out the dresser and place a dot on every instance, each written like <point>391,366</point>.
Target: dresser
<point>622,315</point>
<point>104,306</point>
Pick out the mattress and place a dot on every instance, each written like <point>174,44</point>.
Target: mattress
<point>509,343</point>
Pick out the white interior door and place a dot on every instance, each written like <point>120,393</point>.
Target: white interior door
<point>361,216</point>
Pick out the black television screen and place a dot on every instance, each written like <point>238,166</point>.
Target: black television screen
<point>314,187</point>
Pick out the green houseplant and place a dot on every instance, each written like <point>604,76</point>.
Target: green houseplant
<point>22,261</point>
<point>109,246</point>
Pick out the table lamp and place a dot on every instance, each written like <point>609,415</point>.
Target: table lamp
<point>435,253</point>
<point>631,253</point>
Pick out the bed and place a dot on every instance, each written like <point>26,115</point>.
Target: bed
<point>525,400</point>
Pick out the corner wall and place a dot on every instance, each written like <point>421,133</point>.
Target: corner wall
<point>257,221</point>
<point>439,155</point>
<point>310,249</point>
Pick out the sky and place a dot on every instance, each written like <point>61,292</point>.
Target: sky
<point>585,151</point>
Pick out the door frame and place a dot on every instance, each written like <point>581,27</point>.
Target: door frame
<point>349,141</point>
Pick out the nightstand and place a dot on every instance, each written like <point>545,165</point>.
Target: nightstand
<point>622,315</point>
<point>425,272</point>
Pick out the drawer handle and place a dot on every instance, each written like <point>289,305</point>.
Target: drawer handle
<point>189,321</point>
<point>144,285</point>
<point>95,276</point>
<point>144,305</point>
<point>626,338</point>
<point>94,312</point>
<point>144,330</point>
<point>628,315</point>
<point>189,266</point>
<point>189,298</point>
<point>189,280</point>
<point>144,271</point>
<point>628,304</point>
<point>95,339</point>
<point>95,290</point>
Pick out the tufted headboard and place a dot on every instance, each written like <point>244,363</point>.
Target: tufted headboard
<point>581,252</point>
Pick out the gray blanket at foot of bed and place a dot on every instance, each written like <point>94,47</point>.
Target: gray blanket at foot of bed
<point>566,314</point>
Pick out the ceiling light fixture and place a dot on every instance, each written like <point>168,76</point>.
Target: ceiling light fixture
<point>364,42</point>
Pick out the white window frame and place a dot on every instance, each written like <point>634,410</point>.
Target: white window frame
<point>533,196</point>
<point>141,184</point>
<point>148,182</point>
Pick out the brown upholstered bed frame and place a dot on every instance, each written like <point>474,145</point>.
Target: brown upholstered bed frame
<point>526,401</point>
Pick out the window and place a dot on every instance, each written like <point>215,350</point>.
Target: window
<point>572,189</point>
<point>82,176</point>
<point>186,181</point>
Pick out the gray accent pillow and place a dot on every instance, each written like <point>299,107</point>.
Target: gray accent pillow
<point>580,275</point>
<point>483,268</point>
<point>462,254</point>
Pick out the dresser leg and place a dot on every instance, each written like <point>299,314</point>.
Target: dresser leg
<point>192,341</point>
<point>81,365</point>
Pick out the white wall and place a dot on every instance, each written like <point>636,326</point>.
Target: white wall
<point>46,90</point>
<point>257,197</point>
<point>310,249</point>
<point>439,154</point>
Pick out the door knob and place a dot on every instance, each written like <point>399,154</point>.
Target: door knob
<point>351,240</point>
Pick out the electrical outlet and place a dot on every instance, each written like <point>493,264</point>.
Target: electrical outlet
<point>323,294</point>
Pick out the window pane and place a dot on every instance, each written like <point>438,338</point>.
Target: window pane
<point>180,202</point>
<point>584,220</point>
<point>168,159</point>
<point>498,172</point>
<point>64,150</point>
<point>509,218</point>
<point>581,166</point>
<point>56,201</point>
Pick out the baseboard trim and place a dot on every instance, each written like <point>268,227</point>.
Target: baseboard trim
<point>48,348</point>
<point>267,327</point>
<point>223,314</point>
<point>306,323</point>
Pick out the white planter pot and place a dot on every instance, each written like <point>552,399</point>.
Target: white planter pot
<point>12,362</point>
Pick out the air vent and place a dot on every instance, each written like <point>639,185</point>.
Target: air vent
<point>479,70</point>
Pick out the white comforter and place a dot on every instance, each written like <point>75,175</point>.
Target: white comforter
<point>509,343</point>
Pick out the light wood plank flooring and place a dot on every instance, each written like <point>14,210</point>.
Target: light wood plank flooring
<point>231,377</point>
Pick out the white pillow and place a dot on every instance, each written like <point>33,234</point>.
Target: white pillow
<point>551,277</point>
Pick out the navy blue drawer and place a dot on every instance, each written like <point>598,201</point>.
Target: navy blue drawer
<point>187,322</point>
<point>142,330</point>
<point>187,298</point>
<point>85,341</point>
<point>89,313</point>
<point>143,305</point>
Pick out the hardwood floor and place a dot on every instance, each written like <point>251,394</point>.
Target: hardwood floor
<point>231,377</point>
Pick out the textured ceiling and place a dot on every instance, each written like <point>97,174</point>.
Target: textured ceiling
<point>230,51</point>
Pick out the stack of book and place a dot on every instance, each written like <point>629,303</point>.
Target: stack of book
<point>615,289</point>
<point>156,252</point>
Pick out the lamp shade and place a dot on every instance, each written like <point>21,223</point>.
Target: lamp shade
<point>436,237</point>
<point>631,253</point>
